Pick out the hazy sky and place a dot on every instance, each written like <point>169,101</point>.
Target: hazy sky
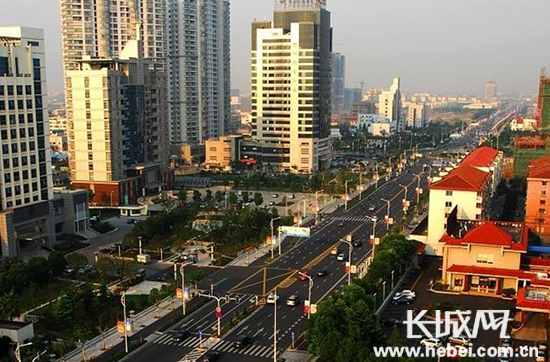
<point>438,46</point>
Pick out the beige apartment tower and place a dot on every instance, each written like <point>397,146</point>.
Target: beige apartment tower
<point>291,87</point>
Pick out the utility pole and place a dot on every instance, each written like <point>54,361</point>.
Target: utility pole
<point>275,329</point>
<point>310,287</point>
<point>183,303</point>
<point>123,302</point>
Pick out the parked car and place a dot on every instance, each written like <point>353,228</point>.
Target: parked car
<point>542,345</point>
<point>404,299</point>
<point>408,293</point>
<point>210,357</point>
<point>293,300</point>
<point>275,196</point>
<point>291,196</point>
<point>506,342</point>
<point>431,342</point>
<point>242,342</point>
<point>131,221</point>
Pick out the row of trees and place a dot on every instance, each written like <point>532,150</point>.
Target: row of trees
<point>345,327</point>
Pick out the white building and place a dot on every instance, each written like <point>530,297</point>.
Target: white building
<point>389,104</point>
<point>418,115</point>
<point>462,193</point>
<point>199,69</point>
<point>291,87</point>
<point>376,125</point>
<point>520,124</point>
<point>25,171</point>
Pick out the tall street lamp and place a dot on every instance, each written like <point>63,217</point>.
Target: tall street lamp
<point>406,188</point>
<point>349,258</point>
<point>182,272</point>
<point>387,213</point>
<point>373,219</point>
<point>309,292</point>
<point>271,224</point>
<point>123,302</point>
<point>346,197</point>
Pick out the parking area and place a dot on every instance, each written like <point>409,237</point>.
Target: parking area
<point>420,282</point>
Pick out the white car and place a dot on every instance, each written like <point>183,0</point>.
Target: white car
<point>407,293</point>
<point>272,298</point>
<point>431,342</point>
<point>341,257</point>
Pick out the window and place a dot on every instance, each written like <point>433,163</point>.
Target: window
<point>449,193</point>
<point>544,183</point>
<point>448,204</point>
<point>543,202</point>
<point>478,216</point>
<point>8,192</point>
<point>459,282</point>
<point>543,193</point>
<point>485,258</point>
<point>478,205</point>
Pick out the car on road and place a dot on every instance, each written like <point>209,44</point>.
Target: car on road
<point>210,357</point>
<point>341,224</point>
<point>272,298</point>
<point>506,342</point>
<point>291,196</point>
<point>293,300</point>
<point>131,221</point>
<point>242,342</point>
<point>541,356</point>
<point>322,273</point>
<point>431,342</point>
<point>271,203</point>
<point>404,299</point>
<point>542,345</point>
<point>372,208</point>
<point>180,336</point>
<point>461,340</point>
<point>356,244</point>
<point>275,196</point>
<point>341,257</point>
<point>406,292</point>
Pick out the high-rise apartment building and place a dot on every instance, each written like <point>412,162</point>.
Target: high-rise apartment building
<point>417,115</point>
<point>101,28</point>
<point>491,90</point>
<point>199,69</point>
<point>291,86</point>
<point>118,122</point>
<point>338,82</point>
<point>389,104</point>
<point>25,170</point>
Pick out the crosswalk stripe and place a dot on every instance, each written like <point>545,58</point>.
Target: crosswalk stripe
<point>254,350</point>
<point>267,353</point>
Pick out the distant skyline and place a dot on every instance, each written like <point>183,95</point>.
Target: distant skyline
<point>444,47</point>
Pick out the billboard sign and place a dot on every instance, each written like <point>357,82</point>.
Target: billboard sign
<point>296,231</point>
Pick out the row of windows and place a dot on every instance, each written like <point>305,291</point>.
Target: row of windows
<point>11,90</point>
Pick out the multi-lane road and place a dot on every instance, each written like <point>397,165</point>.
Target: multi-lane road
<point>245,284</point>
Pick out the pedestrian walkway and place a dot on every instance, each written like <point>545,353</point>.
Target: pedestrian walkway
<point>95,347</point>
<point>254,350</point>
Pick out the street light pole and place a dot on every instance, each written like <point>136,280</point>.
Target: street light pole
<point>309,292</point>
<point>404,198</point>
<point>346,197</point>
<point>18,350</point>
<point>418,188</point>
<point>182,272</point>
<point>271,224</point>
<point>388,213</point>
<point>123,302</point>
<point>374,219</point>
<point>360,186</point>
<point>275,329</point>
<point>384,290</point>
<point>349,258</point>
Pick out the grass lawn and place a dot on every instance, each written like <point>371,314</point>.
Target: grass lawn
<point>35,295</point>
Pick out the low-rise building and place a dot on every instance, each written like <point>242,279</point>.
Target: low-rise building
<point>71,213</point>
<point>418,115</point>
<point>538,196</point>
<point>466,191</point>
<point>520,124</point>
<point>223,152</point>
<point>376,125</point>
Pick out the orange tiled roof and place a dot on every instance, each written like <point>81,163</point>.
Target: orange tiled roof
<point>481,157</point>
<point>463,178</point>
<point>490,234</point>
<point>540,168</point>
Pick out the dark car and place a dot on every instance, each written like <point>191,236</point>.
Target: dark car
<point>210,357</point>
<point>242,342</point>
<point>356,244</point>
<point>180,336</point>
<point>131,221</point>
<point>322,273</point>
<point>404,299</point>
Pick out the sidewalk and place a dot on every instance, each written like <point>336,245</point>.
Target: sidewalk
<point>95,347</point>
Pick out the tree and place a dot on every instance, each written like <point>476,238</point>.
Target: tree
<point>182,195</point>
<point>168,203</point>
<point>232,198</point>
<point>76,260</point>
<point>208,196</point>
<point>246,197</point>
<point>196,196</point>
<point>258,199</point>
<point>57,263</point>
<point>219,196</point>
<point>106,267</point>
<point>395,337</point>
<point>9,305</point>
<point>38,270</point>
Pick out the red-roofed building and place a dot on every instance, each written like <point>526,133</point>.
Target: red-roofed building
<point>486,258</point>
<point>538,196</point>
<point>465,191</point>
